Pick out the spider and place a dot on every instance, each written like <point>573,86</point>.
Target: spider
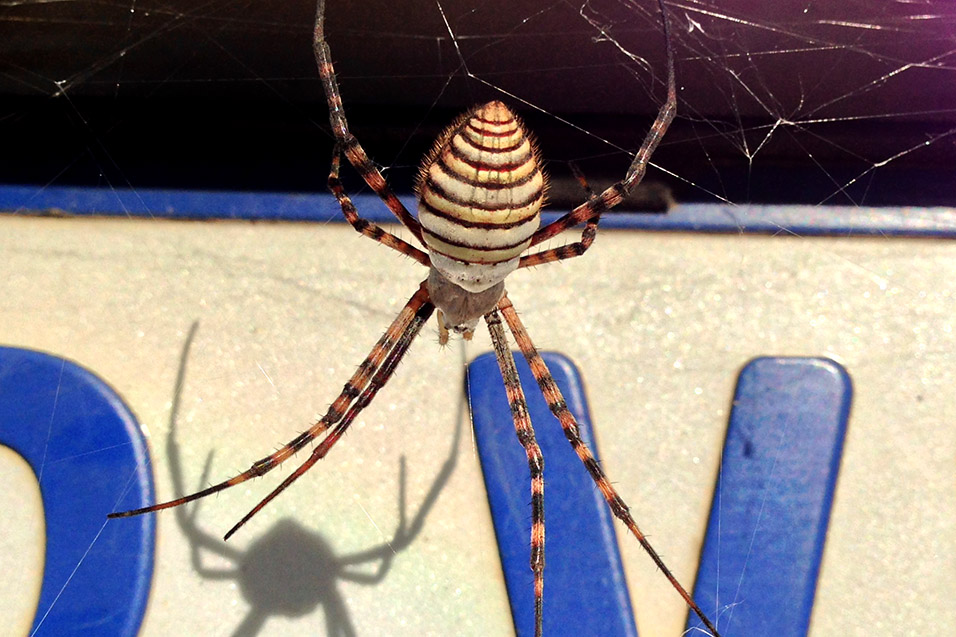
<point>480,190</point>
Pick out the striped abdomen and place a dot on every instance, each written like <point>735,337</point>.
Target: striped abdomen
<point>480,190</point>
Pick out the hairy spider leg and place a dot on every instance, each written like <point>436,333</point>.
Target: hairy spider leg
<point>345,141</point>
<point>525,432</point>
<point>614,194</point>
<point>364,377</point>
<point>559,408</point>
<point>367,228</point>
<point>576,248</point>
<point>364,399</point>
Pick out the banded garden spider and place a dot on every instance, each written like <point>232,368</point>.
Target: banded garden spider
<point>480,190</point>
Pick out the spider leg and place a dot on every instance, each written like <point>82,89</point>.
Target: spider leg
<point>364,226</point>
<point>345,141</point>
<point>572,249</point>
<point>635,172</point>
<point>362,379</point>
<point>585,186</point>
<point>378,381</point>
<point>559,408</point>
<point>566,251</point>
<point>525,431</point>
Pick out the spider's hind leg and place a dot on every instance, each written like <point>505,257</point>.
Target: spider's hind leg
<point>347,144</point>
<point>364,226</point>
<point>570,250</point>
<point>590,211</point>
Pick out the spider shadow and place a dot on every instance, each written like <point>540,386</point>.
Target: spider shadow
<point>290,570</point>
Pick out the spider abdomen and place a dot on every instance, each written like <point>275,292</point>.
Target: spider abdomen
<point>480,190</point>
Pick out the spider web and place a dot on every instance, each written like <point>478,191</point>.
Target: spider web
<point>826,104</point>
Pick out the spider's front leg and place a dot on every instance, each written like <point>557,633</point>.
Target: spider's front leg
<point>525,431</point>
<point>559,408</point>
<point>371,376</point>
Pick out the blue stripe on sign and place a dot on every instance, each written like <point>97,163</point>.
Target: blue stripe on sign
<point>91,457</point>
<point>769,517</point>
<point>321,207</point>
<point>585,592</point>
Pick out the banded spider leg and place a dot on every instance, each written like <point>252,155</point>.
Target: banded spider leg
<point>555,401</point>
<point>368,379</point>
